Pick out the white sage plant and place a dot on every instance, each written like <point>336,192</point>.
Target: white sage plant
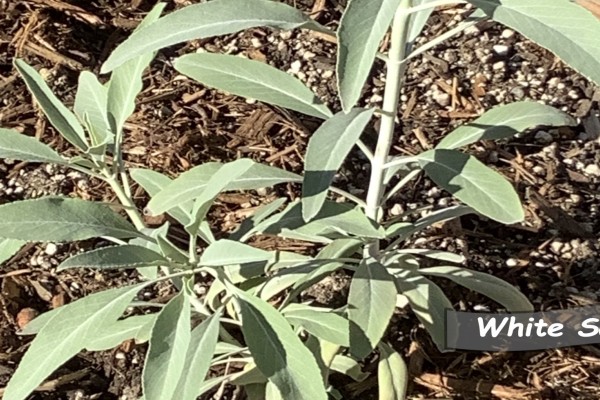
<point>289,348</point>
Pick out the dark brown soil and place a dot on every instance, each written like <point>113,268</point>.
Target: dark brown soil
<point>178,124</point>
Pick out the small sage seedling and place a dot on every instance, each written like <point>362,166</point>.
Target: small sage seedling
<point>272,362</point>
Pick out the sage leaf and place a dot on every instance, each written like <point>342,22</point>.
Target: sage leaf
<point>404,229</point>
<point>371,304</point>
<point>66,334</point>
<point>17,146</point>
<point>214,18</point>
<point>496,289</point>
<point>505,121</point>
<point>334,219</point>
<point>154,182</point>
<point>228,252</point>
<point>392,374</point>
<point>247,227</point>
<point>562,27</point>
<point>202,346</point>
<point>115,257</point>
<point>348,366</point>
<point>417,21</point>
<point>111,336</point>
<point>60,219</point>
<point>323,324</point>
<point>126,80</point>
<point>278,352</point>
<point>9,247</point>
<point>327,150</point>
<point>361,30</point>
<point>254,79</point>
<point>428,302</point>
<point>91,102</point>
<point>192,183</point>
<point>216,184</point>
<point>433,254</point>
<point>60,117</point>
<point>167,350</point>
<point>476,185</point>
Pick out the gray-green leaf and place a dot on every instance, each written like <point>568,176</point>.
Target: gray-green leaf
<point>192,183</point>
<point>392,374</point>
<point>505,121</point>
<point>60,117</point>
<point>323,324</point>
<point>327,150</point>
<point>17,146</point>
<point>371,304</point>
<point>362,27</point>
<point>9,247</point>
<point>473,183</point>
<point>202,346</point>
<point>66,334</point>
<point>61,219</point>
<point>495,288</point>
<point>278,352</point>
<point>109,337</point>
<point>114,257</point>
<point>563,27</point>
<point>169,343</point>
<point>228,252</point>
<point>126,80</point>
<point>217,17</point>
<point>253,79</point>
<point>91,103</point>
<point>428,302</point>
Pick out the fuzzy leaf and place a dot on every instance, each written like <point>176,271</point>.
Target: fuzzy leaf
<point>126,80</point>
<point>91,103</point>
<point>428,302</point>
<point>61,219</point>
<point>254,79</point>
<point>323,324</point>
<point>9,247</point>
<point>136,327</point>
<point>60,117</point>
<point>192,183</point>
<point>392,374</point>
<point>488,285</point>
<point>198,21</point>
<point>17,146</point>
<point>169,343</point>
<point>65,335</point>
<point>361,30</point>
<point>504,122</point>
<point>371,303</point>
<point>228,252</point>
<point>278,352</point>
<point>203,343</point>
<point>114,257</point>
<point>563,27</point>
<point>476,185</point>
<point>327,149</point>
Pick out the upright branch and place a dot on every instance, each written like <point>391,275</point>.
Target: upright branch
<point>396,65</point>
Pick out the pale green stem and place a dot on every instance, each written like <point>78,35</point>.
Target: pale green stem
<point>192,249</point>
<point>125,200</point>
<point>347,195</point>
<point>365,149</point>
<point>433,4</point>
<point>393,85</point>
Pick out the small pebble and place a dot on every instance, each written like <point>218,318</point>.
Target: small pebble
<point>507,34</point>
<point>501,49</point>
<point>442,98</point>
<point>51,249</point>
<point>592,170</point>
<point>511,262</point>
<point>296,66</point>
<point>498,65</point>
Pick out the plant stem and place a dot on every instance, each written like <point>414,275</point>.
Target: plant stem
<point>125,200</point>
<point>393,85</point>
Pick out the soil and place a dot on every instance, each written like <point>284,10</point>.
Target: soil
<point>552,256</point>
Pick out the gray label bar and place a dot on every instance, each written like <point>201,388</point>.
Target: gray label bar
<point>522,331</point>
